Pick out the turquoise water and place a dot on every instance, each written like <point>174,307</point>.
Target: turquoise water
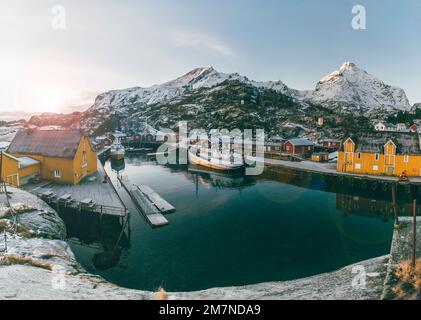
<point>235,230</point>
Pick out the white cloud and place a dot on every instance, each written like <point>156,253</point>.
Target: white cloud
<point>201,40</point>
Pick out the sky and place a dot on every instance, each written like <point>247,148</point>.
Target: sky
<point>49,63</point>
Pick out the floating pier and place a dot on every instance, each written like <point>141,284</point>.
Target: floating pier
<point>142,202</point>
<point>156,199</point>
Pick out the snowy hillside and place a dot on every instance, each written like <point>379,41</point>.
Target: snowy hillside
<point>354,86</point>
<point>349,85</point>
<point>206,77</point>
<point>206,97</point>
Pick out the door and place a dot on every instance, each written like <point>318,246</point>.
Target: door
<point>13,180</point>
<point>389,165</point>
<point>349,161</point>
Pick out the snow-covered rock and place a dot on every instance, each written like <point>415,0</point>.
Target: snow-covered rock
<point>354,86</point>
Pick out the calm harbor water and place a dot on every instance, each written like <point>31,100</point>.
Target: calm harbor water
<point>230,230</point>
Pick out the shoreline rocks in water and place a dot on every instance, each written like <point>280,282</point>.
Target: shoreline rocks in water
<point>39,264</point>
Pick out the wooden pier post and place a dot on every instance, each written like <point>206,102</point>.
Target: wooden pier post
<point>395,209</point>
<point>414,232</point>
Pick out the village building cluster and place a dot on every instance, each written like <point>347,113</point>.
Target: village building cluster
<point>68,156</point>
<point>399,127</point>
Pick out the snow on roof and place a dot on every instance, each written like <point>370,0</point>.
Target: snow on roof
<point>4,144</point>
<point>301,142</point>
<point>118,134</point>
<point>333,155</point>
<point>27,161</point>
<point>54,143</point>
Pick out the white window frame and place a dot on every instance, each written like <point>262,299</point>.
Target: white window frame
<point>376,157</point>
<point>57,173</point>
<point>359,155</point>
<point>405,158</point>
<point>375,168</point>
<point>358,166</point>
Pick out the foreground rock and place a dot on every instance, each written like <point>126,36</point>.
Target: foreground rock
<point>399,285</point>
<point>39,264</point>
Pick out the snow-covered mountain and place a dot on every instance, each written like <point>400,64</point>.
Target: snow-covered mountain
<point>347,87</point>
<point>206,77</point>
<point>415,107</point>
<point>351,85</point>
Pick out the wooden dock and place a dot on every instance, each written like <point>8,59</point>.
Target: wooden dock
<point>156,199</point>
<point>98,188</point>
<point>146,206</point>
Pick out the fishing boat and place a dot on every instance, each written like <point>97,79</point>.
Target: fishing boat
<point>117,151</point>
<point>215,160</point>
<point>117,165</point>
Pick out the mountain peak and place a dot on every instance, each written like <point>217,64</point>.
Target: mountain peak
<point>349,86</point>
<point>348,66</point>
<point>354,86</point>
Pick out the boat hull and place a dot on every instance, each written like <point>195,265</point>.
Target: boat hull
<point>215,165</point>
<point>117,156</point>
<point>117,152</point>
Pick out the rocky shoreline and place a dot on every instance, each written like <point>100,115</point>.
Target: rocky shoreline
<point>40,265</point>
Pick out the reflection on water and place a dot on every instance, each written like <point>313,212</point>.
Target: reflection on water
<point>234,229</point>
<point>349,204</point>
<point>106,238</point>
<point>117,165</point>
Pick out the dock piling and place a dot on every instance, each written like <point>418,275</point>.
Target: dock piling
<point>395,209</point>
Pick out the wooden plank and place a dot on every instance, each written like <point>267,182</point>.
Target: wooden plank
<point>163,205</point>
<point>157,220</point>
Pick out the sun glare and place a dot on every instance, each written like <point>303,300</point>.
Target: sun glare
<point>50,100</point>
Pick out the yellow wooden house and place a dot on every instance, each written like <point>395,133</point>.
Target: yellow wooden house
<point>18,171</point>
<point>61,156</point>
<point>381,154</point>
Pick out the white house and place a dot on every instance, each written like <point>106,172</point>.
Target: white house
<point>401,127</point>
<point>384,126</point>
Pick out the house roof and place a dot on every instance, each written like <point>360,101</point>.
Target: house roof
<point>118,134</point>
<point>27,162</point>
<point>301,142</point>
<point>386,124</point>
<point>51,143</point>
<point>406,143</point>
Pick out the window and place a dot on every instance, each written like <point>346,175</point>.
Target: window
<point>57,174</point>
<point>406,158</point>
<point>375,168</point>
<point>359,155</point>
<point>376,157</point>
<point>358,166</point>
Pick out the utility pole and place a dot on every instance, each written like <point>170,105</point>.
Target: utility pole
<point>1,169</point>
<point>395,209</point>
